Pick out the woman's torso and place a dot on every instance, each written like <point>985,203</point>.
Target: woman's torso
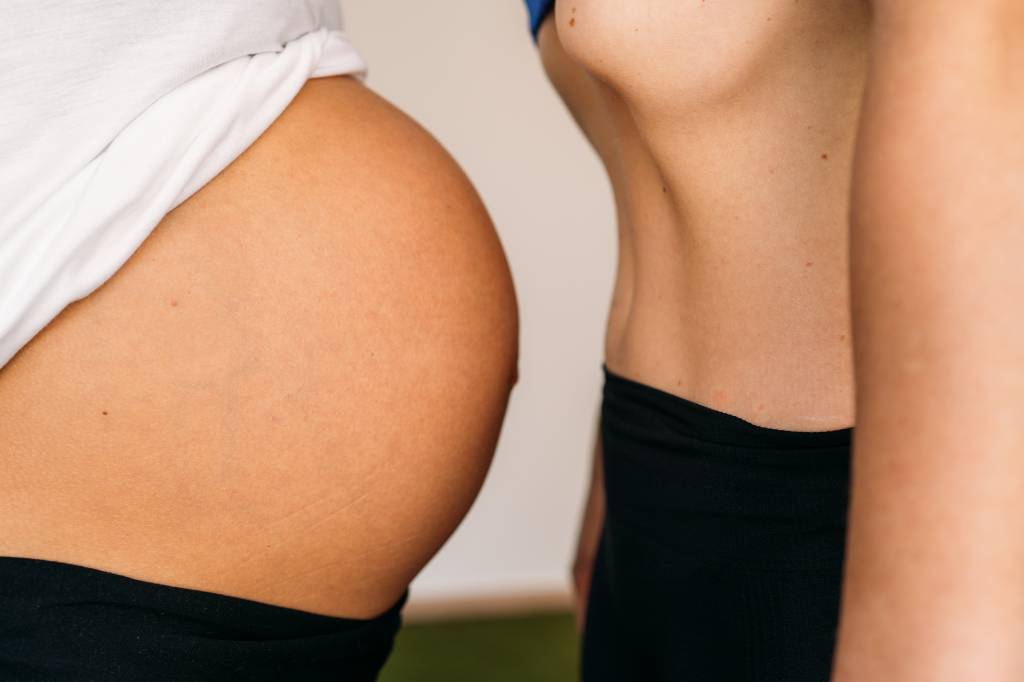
<point>291,391</point>
<point>727,130</point>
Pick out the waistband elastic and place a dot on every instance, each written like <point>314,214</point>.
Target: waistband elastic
<point>710,486</point>
<point>706,424</point>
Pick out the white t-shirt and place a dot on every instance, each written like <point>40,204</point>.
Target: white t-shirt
<point>113,112</point>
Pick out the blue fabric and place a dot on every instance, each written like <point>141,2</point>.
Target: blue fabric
<point>539,9</point>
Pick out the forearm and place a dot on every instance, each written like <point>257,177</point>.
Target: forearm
<point>595,503</point>
<point>593,511</point>
<point>591,526</point>
<point>935,569</point>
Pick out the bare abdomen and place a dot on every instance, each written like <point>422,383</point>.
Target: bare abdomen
<point>291,392</point>
<point>727,131</point>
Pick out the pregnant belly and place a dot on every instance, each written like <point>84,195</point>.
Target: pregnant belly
<point>291,392</point>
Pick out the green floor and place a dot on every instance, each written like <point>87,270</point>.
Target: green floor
<point>534,649</point>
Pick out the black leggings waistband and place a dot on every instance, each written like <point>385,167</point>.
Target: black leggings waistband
<point>61,621</point>
<point>722,547</point>
<point>667,454</point>
<point>701,423</point>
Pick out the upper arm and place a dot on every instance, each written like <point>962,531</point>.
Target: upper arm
<point>934,582</point>
<point>938,194</point>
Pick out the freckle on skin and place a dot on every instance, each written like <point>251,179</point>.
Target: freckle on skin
<point>572,22</point>
<point>824,157</point>
<point>664,189</point>
<point>104,413</point>
<point>174,304</point>
<point>842,337</point>
<point>808,264</point>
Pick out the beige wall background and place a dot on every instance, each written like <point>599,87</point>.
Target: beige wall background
<point>468,71</point>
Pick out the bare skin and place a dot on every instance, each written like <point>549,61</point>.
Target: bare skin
<point>727,130</point>
<point>934,577</point>
<point>292,391</point>
<point>934,588</point>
